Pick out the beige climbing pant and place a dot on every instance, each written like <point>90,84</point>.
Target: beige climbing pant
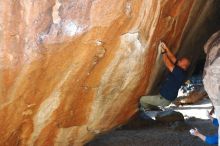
<point>155,100</point>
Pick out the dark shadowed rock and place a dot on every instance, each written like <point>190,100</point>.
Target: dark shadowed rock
<point>138,122</point>
<point>180,126</point>
<point>169,116</point>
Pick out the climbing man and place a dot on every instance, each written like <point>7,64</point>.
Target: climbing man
<point>169,89</point>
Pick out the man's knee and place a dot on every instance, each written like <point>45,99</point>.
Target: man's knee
<point>142,99</point>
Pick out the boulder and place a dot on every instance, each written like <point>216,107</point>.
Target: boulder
<point>212,68</point>
<point>212,71</point>
<point>192,98</point>
<point>70,70</point>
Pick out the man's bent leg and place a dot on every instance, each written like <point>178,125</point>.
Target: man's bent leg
<point>155,100</point>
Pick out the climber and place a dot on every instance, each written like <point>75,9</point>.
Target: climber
<point>212,139</point>
<point>169,89</point>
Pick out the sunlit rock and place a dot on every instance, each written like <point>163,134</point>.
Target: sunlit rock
<point>212,68</point>
<point>70,70</point>
<point>212,71</point>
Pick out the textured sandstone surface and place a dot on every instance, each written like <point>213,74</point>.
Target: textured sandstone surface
<point>72,69</point>
<point>212,71</point>
<point>212,68</point>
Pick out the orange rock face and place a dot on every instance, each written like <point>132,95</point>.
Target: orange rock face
<point>72,69</point>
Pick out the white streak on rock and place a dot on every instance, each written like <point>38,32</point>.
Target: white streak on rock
<point>48,107</point>
<point>128,9</point>
<point>132,41</point>
<point>55,14</point>
<point>126,60</point>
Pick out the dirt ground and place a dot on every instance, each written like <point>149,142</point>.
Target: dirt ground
<point>158,134</point>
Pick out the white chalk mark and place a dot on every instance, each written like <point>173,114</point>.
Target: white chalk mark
<point>70,28</point>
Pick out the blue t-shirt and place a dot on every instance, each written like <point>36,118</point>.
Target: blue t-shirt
<point>215,122</point>
<point>173,82</point>
<point>213,139</point>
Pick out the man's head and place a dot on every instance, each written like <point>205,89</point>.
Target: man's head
<point>183,63</point>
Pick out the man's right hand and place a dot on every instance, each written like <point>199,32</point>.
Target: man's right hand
<point>196,132</point>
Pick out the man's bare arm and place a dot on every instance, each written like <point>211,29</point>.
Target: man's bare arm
<point>168,63</point>
<point>170,55</point>
<point>198,134</point>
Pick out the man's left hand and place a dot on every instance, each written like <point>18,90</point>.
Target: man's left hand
<point>161,47</point>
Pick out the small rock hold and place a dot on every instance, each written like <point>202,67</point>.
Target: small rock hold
<point>27,112</point>
<point>30,105</point>
<point>99,42</point>
<point>100,52</point>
